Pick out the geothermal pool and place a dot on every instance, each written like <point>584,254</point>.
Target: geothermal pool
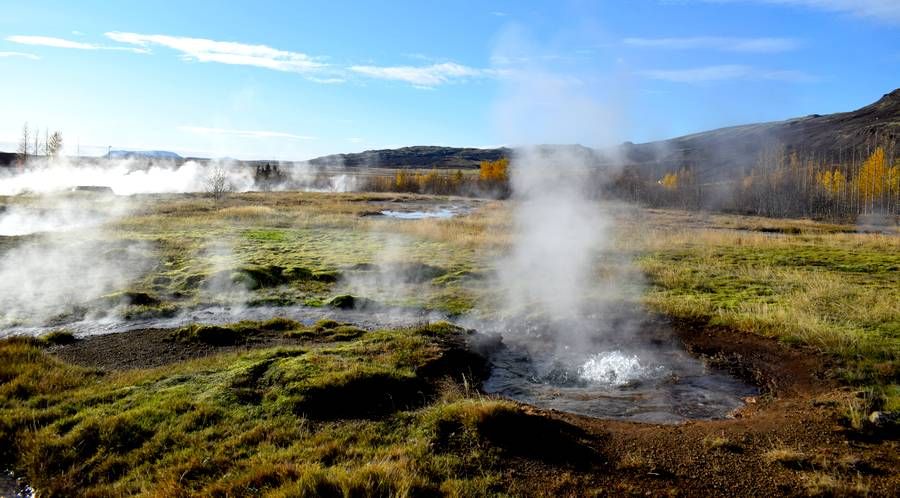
<point>420,214</point>
<point>636,379</point>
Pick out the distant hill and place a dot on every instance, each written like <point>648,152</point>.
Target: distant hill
<point>413,157</point>
<point>716,154</point>
<point>144,154</point>
<point>723,152</point>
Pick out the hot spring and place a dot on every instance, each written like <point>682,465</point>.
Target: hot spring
<point>643,379</point>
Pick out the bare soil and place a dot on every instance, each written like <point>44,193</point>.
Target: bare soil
<point>150,348</point>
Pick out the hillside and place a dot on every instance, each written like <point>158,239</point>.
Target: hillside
<point>723,152</point>
<point>413,157</point>
<point>715,154</point>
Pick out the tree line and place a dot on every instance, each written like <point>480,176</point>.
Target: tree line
<point>30,144</point>
<point>492,181</point>
<point>844,186</point>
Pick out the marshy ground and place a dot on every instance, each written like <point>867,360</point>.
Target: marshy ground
<point>338,400</point>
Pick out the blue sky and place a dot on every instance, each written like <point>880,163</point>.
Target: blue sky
<point>294,80</point>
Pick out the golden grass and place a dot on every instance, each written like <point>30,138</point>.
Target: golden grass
<point>788,457</point>
<point>821,483</point>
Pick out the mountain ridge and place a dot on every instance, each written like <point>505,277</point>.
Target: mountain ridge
<point>716,153</point>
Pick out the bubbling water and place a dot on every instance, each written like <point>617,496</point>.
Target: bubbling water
<point>615,368</point>
<point>646,376</point>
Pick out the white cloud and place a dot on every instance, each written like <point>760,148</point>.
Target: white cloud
<point>883,10</point>
<point>19,54</point>
<point>422,76</point>
<point>50,41</point>
<point>725,44</point>
<point>326,81</point>
<point>202,130</point>
<point>725,72</point>
<point>204,50</point>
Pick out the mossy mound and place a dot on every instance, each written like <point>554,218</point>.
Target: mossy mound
<point>254,277</point>
<point>406,272</point>
<point>59,337</point>
<point>327,330</point>
<point>131,298</point>
<point>347,302</point>
<point>211,334</point>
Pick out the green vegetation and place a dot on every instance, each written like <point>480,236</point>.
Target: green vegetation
<point>293,248</point>
<point>58,337</point>
<point>371,416</point>
<point>327,330</point>
<point>835,292</point>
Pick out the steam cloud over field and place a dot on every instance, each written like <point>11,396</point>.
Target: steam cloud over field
<point>142,176</point>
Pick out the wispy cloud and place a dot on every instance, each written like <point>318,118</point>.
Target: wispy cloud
<point>326,81</point>
<point>50,41</point>
<point>725,44</point>
<point>422,76</point>
<point>19,54</point>
<point>202,130</point>
<point>726,72</point>
<point>235,53</point>
<point>879,10</point>
<point>204,50</point>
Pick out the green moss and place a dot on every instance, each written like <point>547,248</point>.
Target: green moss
<point>131,298</point>
<point>59,337</point>
<point>346,301</point>
<point>271,421</point>
<point>280,324</point>
<point>325,324</point>
<point>327,330</point>
<point>211,334</point>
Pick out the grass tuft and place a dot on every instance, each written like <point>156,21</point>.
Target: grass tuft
<point>59,337</point>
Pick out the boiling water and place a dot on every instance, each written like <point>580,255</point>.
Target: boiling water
<point>642,380</point>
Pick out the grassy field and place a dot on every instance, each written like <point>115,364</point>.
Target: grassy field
<point>347,412</point>
<point>359,417</point>
<point>801,282</point>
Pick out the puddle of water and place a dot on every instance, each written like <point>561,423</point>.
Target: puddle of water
<point>418,215</point>
<point>13,487</point>
<point>440,213</point>
<point>220,315</point>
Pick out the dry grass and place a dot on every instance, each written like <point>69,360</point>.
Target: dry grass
<point>634,460</point>
<point>717,442</point>
<point>827,484</point>
<point>801,282</point>
<point>787,457</point>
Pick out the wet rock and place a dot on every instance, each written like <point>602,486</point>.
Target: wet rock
<point>882,420</point>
